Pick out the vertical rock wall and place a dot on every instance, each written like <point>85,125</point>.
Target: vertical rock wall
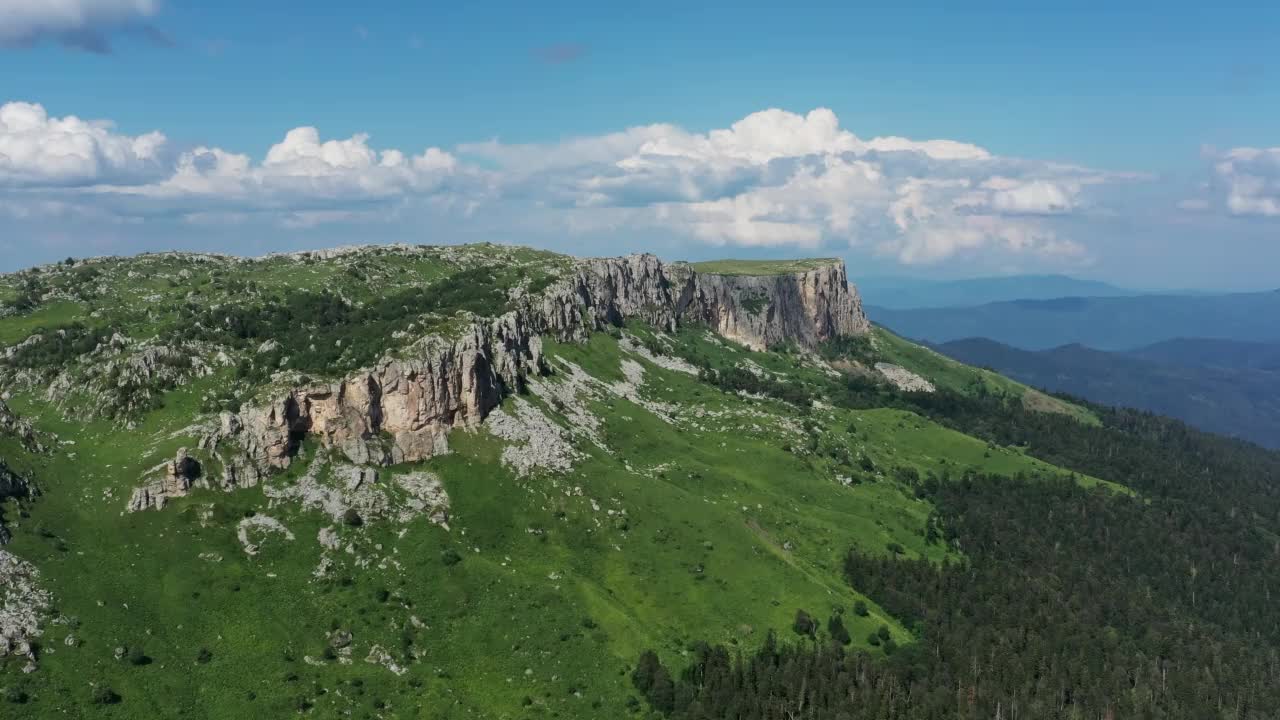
<point>402,409</point>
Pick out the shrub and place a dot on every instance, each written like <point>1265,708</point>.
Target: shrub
<point>837,630</point>
<point>804,624</point>
<point>450,557</point>
<point>352,518</point>
<point>15,695</point>
<point>103,695</point>
<point>136,656</point>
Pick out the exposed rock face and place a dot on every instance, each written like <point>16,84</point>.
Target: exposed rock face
<point>16,427</point>
<point>179,475</point>
<point>762,311</point>
<point>402,409</point>
<point>12,485</point>
<point>903,378</point>
<point>23,602</point>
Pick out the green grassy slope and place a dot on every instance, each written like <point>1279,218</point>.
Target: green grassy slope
<point>689,514</point>
<point>726,535</point>
<point>952,374</point>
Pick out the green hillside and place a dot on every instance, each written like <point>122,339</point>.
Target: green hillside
<point>652,492</point>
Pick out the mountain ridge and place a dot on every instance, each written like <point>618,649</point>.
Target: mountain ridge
<point>1238,402</point>
<point>1114,323</point>
<point>489,481</point>
<point>914,293</point>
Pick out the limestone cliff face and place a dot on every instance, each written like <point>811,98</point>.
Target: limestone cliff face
<point>762,311</point>
<point>402,409</point>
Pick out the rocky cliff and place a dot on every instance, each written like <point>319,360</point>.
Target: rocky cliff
<point>762,311</point>
<point>12,485</point>
<point>402,409</point>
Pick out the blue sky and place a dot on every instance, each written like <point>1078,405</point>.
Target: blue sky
<point>1135,144</point>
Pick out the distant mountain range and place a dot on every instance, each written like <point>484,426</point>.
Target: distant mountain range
<point>901,293</point>
<point>1108,323</point>
<point>1214,353</point>
<point>1227,387</point>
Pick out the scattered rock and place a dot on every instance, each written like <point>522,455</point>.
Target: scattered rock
<point>904,379</point>
<point>339,639</point>
<point>23,602</point>
<point>378,655</point>
<point>534,441</point>
<point>260,523</point>
<point>340,490</point>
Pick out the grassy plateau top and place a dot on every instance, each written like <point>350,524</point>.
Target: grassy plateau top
<point>762,267</point>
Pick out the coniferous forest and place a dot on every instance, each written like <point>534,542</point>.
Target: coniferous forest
<point>1070,602</point>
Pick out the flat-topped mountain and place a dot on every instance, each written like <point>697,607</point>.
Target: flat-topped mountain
<point>495,482</point>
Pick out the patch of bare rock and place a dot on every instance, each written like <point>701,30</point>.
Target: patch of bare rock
<point>903,378</point>
<point>23,602</point>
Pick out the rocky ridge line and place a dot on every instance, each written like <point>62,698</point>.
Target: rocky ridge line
<point>402,409</point>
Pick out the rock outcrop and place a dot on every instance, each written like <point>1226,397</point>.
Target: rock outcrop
<point>23,604</point>
<point>20,429</point>
<point>904,379</point>
<point>12,485</point>
<point>402,409</point>
<point>180,474</point>
<point>762,311</point>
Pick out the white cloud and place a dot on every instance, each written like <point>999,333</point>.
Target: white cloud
<point>777,178</point>
<point>1015,196</point>
<point>77,23</point>
<point>771,179</point>
<point>38,150</point>
<point>1250,180</point>
<point>307,180</point>
<point>939,218</point>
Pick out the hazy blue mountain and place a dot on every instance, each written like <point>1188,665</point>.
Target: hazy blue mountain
<point>902,293</point>
<point>1108,323</point>
<point>1207,352</point>
<point>1241,402</point>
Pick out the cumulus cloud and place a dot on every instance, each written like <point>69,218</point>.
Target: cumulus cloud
<point>1249,180</point>
<point>777,178</point>
<point>303,178</point>
<point>772,179</point>
<point>38,150</point>
<point>82,24</point>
